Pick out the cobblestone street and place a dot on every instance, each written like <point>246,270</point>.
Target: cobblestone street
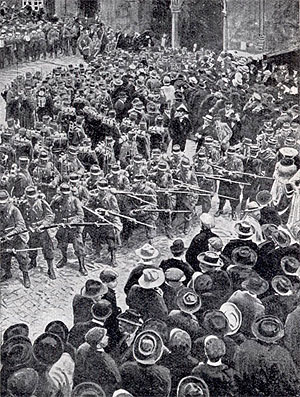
<point>47,300</point>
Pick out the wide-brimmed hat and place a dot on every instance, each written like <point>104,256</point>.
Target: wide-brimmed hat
<point>15,330</point>
<point>58,328</point>
<point>234,317</point>
<point>101,310</point>
<point>178,246</point>
<point>255,285</point>
<point>23,382</point>
<point>88,389</point>
<point>94,289</point>
<point>215,322</point>
<point>48,348</point>
<point>152,278</point>
<point>244,256</point>
<point>268,229</point>
<point>16,352</point>
<point>130,316</point>
<point>282,285</point>
<point>187,300</point>
<point>148,347</point>
<point>281,238</point>
<point>244,229</point>
<point>192,386</point>
<point>290,265</point>
<point>202,283</point>
<point>288,152</point>
<point>252,206</point>
<point>147,251</point>
<point>268,329</point>
<point>211,259</point>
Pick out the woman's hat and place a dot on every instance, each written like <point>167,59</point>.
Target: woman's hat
<point>211,259</point>
<point>192,386</point>
<point>16,352</point>
<point>178,246</point>
<point>281,238</point>
<point>148,347</point>
<point>268,329</point>
<point>244,256</point>
<point>88,389</point>
<point>255,285</point>
<point>130,316</point>
<point>188,301</point>
<point>244,230</point>
<point>48,348</point>
<point>94,289</point>
<point>216,323</point>
<point>290,265</point>
<point>282,285</point>
<point>147,251</point>
<point>152,278</point>
<point>234,317</point>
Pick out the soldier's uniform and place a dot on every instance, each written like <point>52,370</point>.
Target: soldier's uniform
<point>137,167</point>
<point>104,200</point>
<point>187,201</point>
<point>46,176</point>
<point>141,186</point>
<point>22,179</point>
<point>202,169</point>
<point>22,145</point>
<point>231,163</point>
<point>69,164</point>
<point>164,181</point>
<point>38,214</point>
<point>11,221</point>
<point>252,165</point>
<point>68,209</point>
<point>78,189</point>
<point>92,181</point>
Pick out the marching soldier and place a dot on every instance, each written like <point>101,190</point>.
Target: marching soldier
<point>203,168</point>
<point>6,147</point>
<point>38,215</point>
<point>78,190</point>
<point>137,167</point>
<point>165,199</point>
<point>13,241</point>
<point>187,176</point>
<point>252,165</point>
<point>22,178</point>
<point>46,176</point>
<point>175,158</point>
<point>143,212</point>
<point>22,145</point>
<point>104,201</point>
<point>70,163</point>
<point>95,174</point>
<point>68,210</point>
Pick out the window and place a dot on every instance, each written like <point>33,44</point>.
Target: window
<point>36,4</point>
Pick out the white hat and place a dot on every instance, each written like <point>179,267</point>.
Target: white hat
<point>207,219</point>
<point>234,316</point>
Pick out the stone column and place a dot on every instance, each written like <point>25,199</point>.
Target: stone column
<point>175,10</point>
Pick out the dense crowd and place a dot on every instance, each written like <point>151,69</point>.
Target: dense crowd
<point>28,36</point>
<point>92,154</point>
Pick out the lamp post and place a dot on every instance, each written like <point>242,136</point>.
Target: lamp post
<point>175,10</point>
<point>225,26</point>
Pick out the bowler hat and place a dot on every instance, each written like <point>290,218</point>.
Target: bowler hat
<point>15,330</point>
<point>187,300</point>
<point>130,316</point>
<point>234,317</point>
<point>88,389</point>
<point>178,246</point>
<point>101,310</point>
<point>48,348</point>
<point>290,265</point>
<point>16,352</point>
<point>244,256</point>
<point>282,285</point>
<point>151,278</point>
<point>23,382</point>
<point>255,285</point>
<point>192,386</point>
<point>147,251</point>
<point>148,347</point>
<point>94,289</point>
<point>215,322</point>
<point>268,329</point>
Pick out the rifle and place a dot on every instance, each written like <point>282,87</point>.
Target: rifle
<point>201,190</point>
<point>217,177</point>
<point>245,173</point>
<point>163,210</point>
